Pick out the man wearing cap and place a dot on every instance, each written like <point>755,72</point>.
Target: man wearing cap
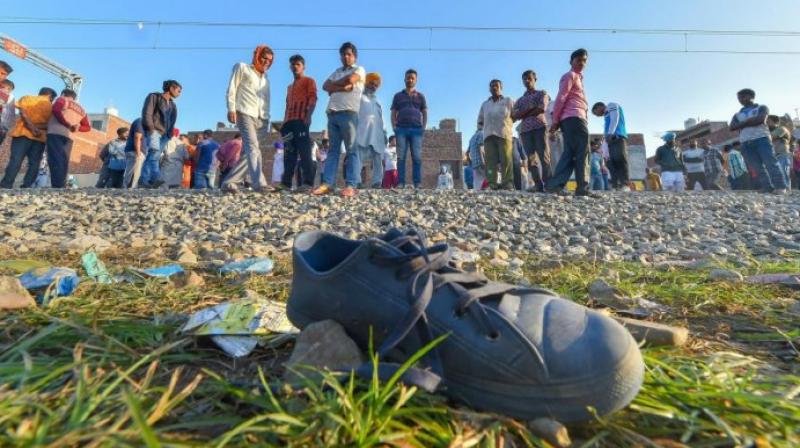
<point>370,134</point>
<point>670,159</point>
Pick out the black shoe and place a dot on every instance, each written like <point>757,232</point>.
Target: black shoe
<point>522,352</point>
<point>587,193</point>
<point>557,191</point>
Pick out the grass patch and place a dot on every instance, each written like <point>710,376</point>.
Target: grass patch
<point>106,367</point>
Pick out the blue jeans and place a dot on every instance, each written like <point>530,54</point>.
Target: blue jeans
<point>203,180</point>
<point>409,139</point>
<point>342,130</point>
<point>59,149</point>
<point>597,183</point>
<point>23,148</point>
<point>785,162</point>
<point>151,170</point>
<point>758,153</point>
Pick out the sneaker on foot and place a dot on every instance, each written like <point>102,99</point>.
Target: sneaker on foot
<point>587,193</point>
<point>349,192</point>
<point>281,188</point>
<point>522,352</point>
<point>322,189</point>
<point>779,191</point>
<point>303,189</point>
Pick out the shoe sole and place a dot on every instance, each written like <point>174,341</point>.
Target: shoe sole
<point>563,402</point>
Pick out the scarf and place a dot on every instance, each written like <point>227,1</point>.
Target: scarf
<point>260,68</point>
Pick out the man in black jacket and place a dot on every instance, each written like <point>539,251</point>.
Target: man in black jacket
<point>159,115</point>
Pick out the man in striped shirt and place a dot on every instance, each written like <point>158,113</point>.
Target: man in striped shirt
<point>737,170</point>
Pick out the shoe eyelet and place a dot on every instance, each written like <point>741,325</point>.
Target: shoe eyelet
<point>493,336</point>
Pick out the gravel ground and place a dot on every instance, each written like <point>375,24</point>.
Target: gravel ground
<point>650,227</point>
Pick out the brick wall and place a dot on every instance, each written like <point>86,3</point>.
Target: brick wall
<point>440,146</point>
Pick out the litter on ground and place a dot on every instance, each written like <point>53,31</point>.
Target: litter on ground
<point>236,327</point>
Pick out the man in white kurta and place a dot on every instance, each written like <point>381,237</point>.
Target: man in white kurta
<point>370,134</point>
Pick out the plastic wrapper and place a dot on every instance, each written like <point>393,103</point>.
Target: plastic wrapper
<point>50,282</point>
<point>238,327</point>
<point>248,266</point>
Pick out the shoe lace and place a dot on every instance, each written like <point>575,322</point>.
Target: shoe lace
<point>429,268</point>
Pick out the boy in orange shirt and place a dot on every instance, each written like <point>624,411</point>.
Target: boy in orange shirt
<point>29,136</point>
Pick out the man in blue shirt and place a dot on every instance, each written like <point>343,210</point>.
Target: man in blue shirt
<point>206,171</point>
<point>135,148</point>
<point>617,139</point>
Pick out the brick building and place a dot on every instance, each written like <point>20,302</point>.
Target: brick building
<point>441,147</point>
<point>83,162</point>
<point>715,131</point>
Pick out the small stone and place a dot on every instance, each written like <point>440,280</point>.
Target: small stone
<point>322,344</point>
<point>600,289</point>
<point>14,232</point>
<point>489,249</point>
<point>186,256</point>
<point>719,250</point>
<point>551,431</point>
<point>188,279</point>
<point>85,243</point>
<point>13,295</point>
<point>726,275</point>
<point>655,334</point>
<point>138,243</point>
<point>577,251</point>
<point>501,254</point>
<point>794,308</point>
<point>154,254</point>
<point>496,262</point>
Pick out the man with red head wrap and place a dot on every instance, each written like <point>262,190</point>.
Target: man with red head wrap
<point>248,108</point>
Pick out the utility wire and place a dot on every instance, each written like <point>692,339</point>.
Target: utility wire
<point>432,50</point>
<point>182,23</point>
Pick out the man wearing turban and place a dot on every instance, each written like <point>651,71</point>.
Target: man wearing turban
<point>370,134</point>
<point>248,108</point>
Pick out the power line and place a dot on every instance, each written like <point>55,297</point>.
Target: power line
<point>19,20</point>
<point>420,49</point>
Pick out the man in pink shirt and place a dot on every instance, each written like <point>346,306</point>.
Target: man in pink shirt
<point>570,112</point>
<point>228,155</point>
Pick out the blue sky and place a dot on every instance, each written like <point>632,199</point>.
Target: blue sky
<point>657,91</point>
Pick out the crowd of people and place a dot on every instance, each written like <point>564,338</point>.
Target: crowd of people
<point>153,153</point>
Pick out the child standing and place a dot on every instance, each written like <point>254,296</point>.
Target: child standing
<point>7,112</point>
<point>390,177</point>
<point>277,164</point>
<point>652,180</point>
